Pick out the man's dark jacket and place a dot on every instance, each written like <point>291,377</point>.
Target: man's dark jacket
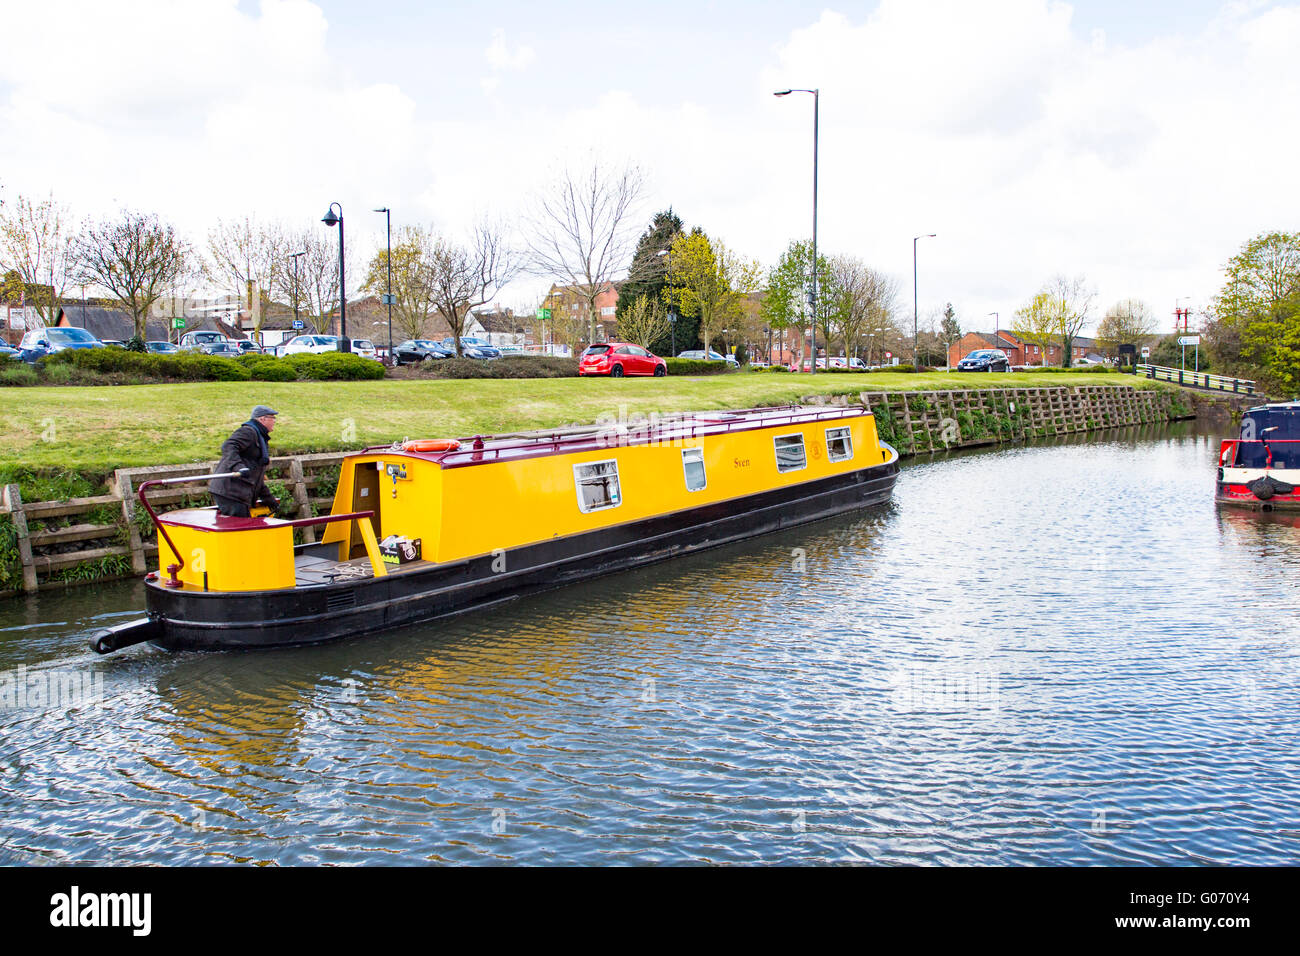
<point>246,448</point>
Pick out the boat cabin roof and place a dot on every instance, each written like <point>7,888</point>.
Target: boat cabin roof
<point>482,449</point>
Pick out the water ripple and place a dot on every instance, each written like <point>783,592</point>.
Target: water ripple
<point>1043,655</point>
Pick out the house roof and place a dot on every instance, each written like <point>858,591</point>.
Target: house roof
<point>117,324</point>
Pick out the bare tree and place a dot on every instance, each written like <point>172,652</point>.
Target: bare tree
<point>251,256</point>
<point>35,247</point>
<point>1127,322</point>
<point>583,230</point>
<point>464,277</point>
<point>317,280</point>
<point>136,258</point>
<point>862,301</point>
<point>1073,299</point>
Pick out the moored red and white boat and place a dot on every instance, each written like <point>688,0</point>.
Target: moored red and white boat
<point>1260,470</point>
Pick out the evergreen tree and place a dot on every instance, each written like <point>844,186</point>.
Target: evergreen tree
<point>648,276</point>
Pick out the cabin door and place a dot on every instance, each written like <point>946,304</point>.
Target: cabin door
<point>365,497</point>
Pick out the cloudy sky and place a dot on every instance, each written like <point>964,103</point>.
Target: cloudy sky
<point>1138,142</point>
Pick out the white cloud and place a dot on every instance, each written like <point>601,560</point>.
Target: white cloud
<point>501,57</point>
<point>1030,145</point>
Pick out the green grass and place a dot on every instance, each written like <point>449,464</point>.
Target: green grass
<point>96,429</point>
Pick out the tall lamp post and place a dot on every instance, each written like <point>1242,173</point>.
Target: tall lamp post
<point>996,319</point>
<point>812,295</point>
<point>330,219</point>
<point>672,325</point>
<point>388,299</point>
<point>916,334</point>
<point>297,291</point>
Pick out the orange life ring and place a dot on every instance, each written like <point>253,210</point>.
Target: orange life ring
<point>431,444</point>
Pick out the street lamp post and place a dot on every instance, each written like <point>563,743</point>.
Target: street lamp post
<point>388,230</point>
<point>297,289</point>
<point>330,219</point>
<point>996,319</point>
<point>812,295</point>
<point>916,335</point>
<point>672,325</point>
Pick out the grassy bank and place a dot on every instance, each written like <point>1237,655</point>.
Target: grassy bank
<point>96,429</point>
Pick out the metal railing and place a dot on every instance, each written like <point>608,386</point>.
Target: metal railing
<point>1259,453</point>
<point>1180,376</point>
<point>174,569</point>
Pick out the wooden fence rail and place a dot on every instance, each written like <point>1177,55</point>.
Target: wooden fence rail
<point>45,550</point>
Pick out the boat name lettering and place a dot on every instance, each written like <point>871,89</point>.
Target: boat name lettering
<point>741,462</point>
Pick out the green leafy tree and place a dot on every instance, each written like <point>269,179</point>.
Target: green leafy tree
<point>648,276</point>
<point>785,304</point>
<point>1035,323</point>
<point>709,280</point>
<point>645,321</point>
<point>413,301</point>
<point>1257,313</point>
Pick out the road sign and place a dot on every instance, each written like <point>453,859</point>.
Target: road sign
<point>889,355</point>
<point>1146,351</point>
<point>543,314</point>
<point>1189,340</point>
<point>299,324</point>
<point>387,298</point>
<point>178,323</point>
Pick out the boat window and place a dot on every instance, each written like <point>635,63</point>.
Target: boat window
<point>790,453</point>
<point>693,465</point>
<point>597,484</point>
<point>839,444</point>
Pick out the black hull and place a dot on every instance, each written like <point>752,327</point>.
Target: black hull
<point>191,620</point>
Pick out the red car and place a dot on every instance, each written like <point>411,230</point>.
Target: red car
<point>617,359</point>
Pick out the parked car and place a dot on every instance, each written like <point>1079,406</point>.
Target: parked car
<point>617,359</point>
<point>840,361</point>
<point>201,341</point>
<point>806,365</point>
<point>107,342</point>
<point>8,351</point>
<point>985,360</point>
<point>471,347</point>
<point>223,350</point>
<point>365,348</point>
<point>419,350</point>
<point>161,348</point>
<point>310,344</point>
<point>247,347</point>
<point>38,343</point>
<point>699,355</point>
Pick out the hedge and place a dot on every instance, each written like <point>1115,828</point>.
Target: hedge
<point>677,366</point>
<point>508,366</point>
<point>116,366</point>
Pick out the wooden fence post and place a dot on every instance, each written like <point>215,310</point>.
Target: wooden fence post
<point>122,484</point>
<point>13,501</point>
<point>300,496</point>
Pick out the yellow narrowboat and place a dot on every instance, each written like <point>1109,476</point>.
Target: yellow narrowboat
<point>423,529</point>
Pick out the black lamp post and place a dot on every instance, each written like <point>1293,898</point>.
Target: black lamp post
<point>296,256</point>
<point>915,322</point>
<point>672,325</point>
<point>330,219</point>
<point>388,229</point>
<point>812,295</point>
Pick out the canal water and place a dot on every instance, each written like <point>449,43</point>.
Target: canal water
<point>1058,654</point>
